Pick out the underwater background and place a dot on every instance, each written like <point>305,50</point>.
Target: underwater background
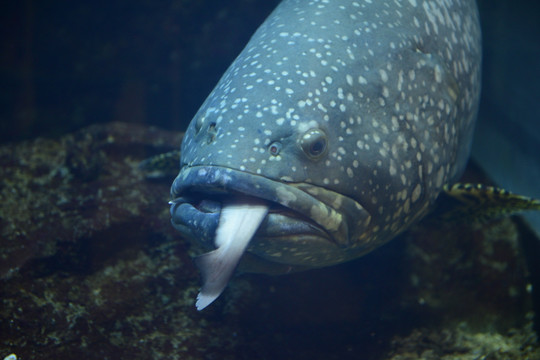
<point>90,266</point>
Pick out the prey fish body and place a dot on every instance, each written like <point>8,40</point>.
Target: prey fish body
<point>239,221</point>
<point>345,118</point>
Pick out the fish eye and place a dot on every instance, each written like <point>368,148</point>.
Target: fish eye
<point>274,148</point>
<point>314,143</point>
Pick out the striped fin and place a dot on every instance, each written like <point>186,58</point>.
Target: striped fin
<point>478,203</point>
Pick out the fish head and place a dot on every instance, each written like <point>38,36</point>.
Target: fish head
<point>340,178</point>
<point>346,132</point>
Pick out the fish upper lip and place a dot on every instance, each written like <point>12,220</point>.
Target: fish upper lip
<point>193,184</point>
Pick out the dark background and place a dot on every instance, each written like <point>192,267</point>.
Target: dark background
<point>68,64</point>
<point>65,64</point>
<point>507,139</point>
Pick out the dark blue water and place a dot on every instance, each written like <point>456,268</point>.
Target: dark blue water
<point>66,65</point>
<point>507,140</point>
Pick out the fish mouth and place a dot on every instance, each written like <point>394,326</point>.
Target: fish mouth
<point>306,225</point>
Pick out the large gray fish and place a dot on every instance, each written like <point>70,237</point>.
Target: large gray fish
<point>332,132</point>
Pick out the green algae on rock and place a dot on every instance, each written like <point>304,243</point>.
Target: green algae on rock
<point>59,191</point>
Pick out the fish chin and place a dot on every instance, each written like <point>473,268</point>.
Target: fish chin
<point>230,212</point>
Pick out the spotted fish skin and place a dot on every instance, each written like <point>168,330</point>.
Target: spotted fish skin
<point>346,116</point>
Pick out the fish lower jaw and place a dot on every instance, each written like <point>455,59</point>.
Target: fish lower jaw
<point>198,217</point>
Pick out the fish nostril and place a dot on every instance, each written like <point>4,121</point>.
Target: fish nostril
<point>199,122</point>
<point>274,148</point>
<point>212,131</point>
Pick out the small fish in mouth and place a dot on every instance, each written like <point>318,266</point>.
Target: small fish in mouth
<point>237,225</point>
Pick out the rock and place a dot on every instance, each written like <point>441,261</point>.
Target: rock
<point>91,268</point>
<point>57,194</point>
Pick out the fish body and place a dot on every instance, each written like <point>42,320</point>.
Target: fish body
<point>344,117</point>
